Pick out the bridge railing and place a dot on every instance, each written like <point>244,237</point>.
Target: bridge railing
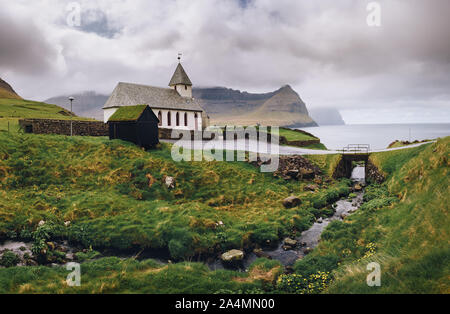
<point>356,149</point>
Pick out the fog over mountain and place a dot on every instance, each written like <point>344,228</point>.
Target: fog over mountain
<point>326,116</point>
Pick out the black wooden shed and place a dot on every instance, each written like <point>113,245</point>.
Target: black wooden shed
<point>136,124</point>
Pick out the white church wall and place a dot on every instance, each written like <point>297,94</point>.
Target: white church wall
<point>107,113</point>
<point>173,118</point>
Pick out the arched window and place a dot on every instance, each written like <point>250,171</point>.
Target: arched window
<point>196,121</point>
<point>178,118</point>
<point>160,118</point>
<point>169,120</point>
<point>185,119</point>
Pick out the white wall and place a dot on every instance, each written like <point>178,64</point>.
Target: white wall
<point>183,90</point>
<point>173,125</point>
<point>107,113</point>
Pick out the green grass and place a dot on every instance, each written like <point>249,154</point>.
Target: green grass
<point>403,226</point>
<point>128,113</point>
<point>112,275</point>
<point>113,193</point>
<point>11,110</point>
<point>326,162</point>
<point>292,135</point>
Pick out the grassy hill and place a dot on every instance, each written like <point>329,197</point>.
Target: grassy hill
<point>403,226</point>
<point>11,110</point>
<point>113,194</point>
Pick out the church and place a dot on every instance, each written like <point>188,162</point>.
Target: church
<point>174,106</point>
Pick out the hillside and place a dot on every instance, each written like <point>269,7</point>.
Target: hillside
<point>11,110</point>
<point>403,226</point>
<point>283,107</point>
<point>87,104</point>
<point>6,91</point>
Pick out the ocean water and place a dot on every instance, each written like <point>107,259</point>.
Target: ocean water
<point>378,136</point>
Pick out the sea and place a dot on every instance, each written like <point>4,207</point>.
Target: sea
<point>378,136</point>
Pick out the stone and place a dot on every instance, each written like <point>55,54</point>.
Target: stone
<point>311,187</point>
<point>292,173</point>
<point>290,242</point>
<point>260,253</point>
<point>66,223</point>
<point>343,216</point>
<point>291,201</point>
<point>41,223</point>
<point>357,187</point>
<point>307,250</point>
<point>307,173</point>
<point>169,182</point>
<point>232,256</point>
<point>320,220</point>
<point>318,180</point>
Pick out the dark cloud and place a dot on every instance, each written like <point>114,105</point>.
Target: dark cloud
<point>325,49</point>
<point>96,21</point>
<point>23,46</point>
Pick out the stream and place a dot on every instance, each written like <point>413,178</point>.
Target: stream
<point>306,241</point>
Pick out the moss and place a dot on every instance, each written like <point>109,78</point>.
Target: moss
<point>128,113</point>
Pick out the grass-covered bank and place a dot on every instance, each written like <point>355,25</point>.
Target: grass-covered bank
<point>403,226</point>
<point>113,275</point>
<point>113,195</point>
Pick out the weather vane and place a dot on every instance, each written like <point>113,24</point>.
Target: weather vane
<point>179,56</point>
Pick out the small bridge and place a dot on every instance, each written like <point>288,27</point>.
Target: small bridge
<point>350,154</point>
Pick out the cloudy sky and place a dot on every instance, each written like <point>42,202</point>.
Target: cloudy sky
<point>393,73</point>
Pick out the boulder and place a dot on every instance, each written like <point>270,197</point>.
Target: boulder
<point>320,220</point>
<point>291,201</point>
<point>232,256</point>
<point>169,182</point>
<point>357,187</point>
<point>290,242</point>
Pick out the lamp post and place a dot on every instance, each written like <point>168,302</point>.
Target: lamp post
<point>71,115</point>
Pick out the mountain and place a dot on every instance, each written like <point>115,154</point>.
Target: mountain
<point>327,116</point>
<point>88,104</point>
<point>6,91</point>
<point>283,107</point>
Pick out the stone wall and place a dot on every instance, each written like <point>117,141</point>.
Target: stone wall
<point>62,127</point>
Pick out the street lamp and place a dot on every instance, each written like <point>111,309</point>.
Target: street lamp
<point>71,115</point>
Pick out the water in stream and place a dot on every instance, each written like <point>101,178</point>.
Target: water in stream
<point>309,239</point>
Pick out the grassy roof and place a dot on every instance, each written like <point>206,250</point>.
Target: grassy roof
<point>128,113</point>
